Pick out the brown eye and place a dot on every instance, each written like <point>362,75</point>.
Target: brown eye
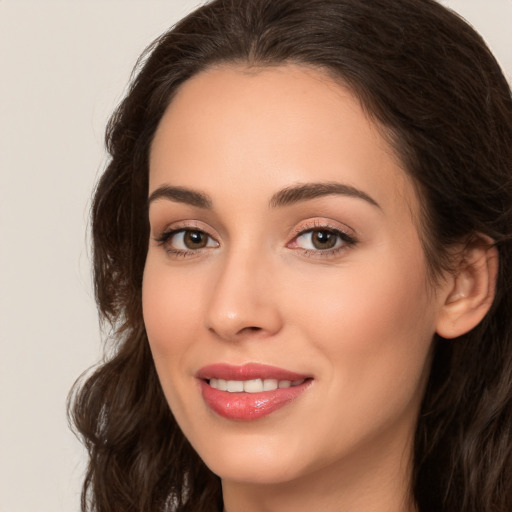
<point>186,240</point>
<point>195,239</point>
<point>323,239</point>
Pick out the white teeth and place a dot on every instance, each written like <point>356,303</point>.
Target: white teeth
<point>235,386</point>
<point>270,384</point>
<point>253,385</point>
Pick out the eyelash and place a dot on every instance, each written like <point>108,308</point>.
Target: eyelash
<point>165,238</point>
<point>346,239</point>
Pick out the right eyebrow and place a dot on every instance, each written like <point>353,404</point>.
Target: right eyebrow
<point>181,195</point>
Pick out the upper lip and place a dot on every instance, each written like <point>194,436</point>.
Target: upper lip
<point>247,371</point>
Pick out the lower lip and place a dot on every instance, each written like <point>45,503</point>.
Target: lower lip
<point>249,406</point>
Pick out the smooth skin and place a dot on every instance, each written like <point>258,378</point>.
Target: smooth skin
<point>333,285</point>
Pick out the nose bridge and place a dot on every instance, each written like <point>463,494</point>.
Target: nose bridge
<point>242,300</point>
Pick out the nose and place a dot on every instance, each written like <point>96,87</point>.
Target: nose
<point>244,301</point>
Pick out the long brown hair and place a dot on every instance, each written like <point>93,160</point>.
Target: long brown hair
<point>428,78</point>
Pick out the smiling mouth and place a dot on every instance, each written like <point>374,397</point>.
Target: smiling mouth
<point>250,391</point>
<point>253,385</point>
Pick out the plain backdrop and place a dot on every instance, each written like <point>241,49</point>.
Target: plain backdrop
<point>64,65</point>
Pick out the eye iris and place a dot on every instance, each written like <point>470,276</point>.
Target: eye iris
<point>324,239</point>
<point>195,240</point>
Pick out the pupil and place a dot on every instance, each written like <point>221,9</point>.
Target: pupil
<point>324,239</point>
<point>195,239</point>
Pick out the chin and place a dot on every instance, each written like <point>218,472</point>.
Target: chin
<point>251,471</point>
<point>251,458</point>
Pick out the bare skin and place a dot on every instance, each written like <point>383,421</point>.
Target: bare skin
<point>330,282</point>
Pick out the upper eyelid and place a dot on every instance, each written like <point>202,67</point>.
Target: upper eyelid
<point>186,225</point>
<point>165,238</point>
<point>317,224</point>
<point>299,229</point>
<point>344,235</point>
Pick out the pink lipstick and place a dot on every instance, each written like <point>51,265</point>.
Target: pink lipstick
<point>250,391</point>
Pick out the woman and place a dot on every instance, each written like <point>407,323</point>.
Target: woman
<point>303,244</point>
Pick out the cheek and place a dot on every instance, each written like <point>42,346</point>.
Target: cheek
<point>374,325</point>
<point>393,331</point>
<point>383,293</point>
<point>171,305</point>
<point>171,313</point>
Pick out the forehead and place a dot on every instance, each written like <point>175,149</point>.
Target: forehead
<point>276,125</point>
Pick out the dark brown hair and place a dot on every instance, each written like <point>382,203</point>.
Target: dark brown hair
<point>428,78</point>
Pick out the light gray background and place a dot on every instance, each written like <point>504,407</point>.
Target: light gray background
<point>63,67</point>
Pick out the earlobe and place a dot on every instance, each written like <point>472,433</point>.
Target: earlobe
<point>471,289</point>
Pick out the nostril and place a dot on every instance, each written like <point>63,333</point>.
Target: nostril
<point>241,332</point>
<point>250,328</point>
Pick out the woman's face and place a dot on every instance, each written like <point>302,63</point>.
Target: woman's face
<point>285,291</point>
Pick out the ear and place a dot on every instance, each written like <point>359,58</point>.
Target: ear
<point>470,290</point>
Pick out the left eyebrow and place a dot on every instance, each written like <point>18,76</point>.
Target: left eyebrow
<point>307,191</point>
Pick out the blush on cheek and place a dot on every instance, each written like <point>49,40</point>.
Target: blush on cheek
<point>380,320</point>
<point>171,311</point>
